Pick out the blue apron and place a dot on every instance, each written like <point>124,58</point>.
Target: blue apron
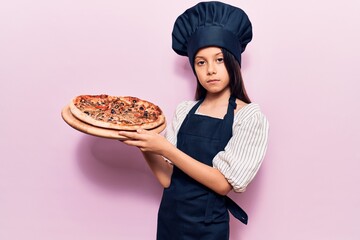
<point>188,209</point>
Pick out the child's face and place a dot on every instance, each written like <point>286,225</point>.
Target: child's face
<point>210,70</point>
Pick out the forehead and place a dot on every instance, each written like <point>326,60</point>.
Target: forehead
<point>208,51</point>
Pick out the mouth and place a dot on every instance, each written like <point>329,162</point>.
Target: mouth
<point>212,80</point>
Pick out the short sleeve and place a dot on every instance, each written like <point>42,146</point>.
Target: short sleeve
<point>245,151</point>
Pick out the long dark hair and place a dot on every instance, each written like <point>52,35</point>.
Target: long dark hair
<point>237,87</point>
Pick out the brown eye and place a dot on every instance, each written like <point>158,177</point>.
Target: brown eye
<point>200,63</point>
<point>220,60</point>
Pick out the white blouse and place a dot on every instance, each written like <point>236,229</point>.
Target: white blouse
<point>245,151</point>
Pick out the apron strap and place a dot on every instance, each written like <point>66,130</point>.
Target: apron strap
<point>195,107</point>
<point>232,206</point>
<point>236,210</point>
<point>191,112</point>
<point>232,102</point>
<point>228,121</point>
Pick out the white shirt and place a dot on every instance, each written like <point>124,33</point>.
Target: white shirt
<point>245,151</point>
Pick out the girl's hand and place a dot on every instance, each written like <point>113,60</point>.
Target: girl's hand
<point>146,141</point>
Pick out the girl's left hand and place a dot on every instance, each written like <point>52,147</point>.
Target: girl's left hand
<point>145,140</point>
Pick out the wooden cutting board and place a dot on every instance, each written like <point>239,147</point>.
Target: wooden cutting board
<point>81,126</point>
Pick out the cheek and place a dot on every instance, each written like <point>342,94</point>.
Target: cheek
<point>200,75</point>
<point>197,71</point>
<point>200,81</point>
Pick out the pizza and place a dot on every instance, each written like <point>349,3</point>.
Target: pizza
<point>116,112</point>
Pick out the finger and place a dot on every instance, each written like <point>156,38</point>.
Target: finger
<point>133,135</point>
<point>141,130</point>
<point>134,143</point>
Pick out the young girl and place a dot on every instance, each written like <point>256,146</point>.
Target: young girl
<point>214,144</point>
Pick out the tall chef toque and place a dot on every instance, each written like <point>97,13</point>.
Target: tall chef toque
<point>211,24</point>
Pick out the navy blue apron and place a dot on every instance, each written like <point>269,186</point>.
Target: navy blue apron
<point>188,209</point>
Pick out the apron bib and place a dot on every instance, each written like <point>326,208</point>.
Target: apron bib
<point>188,209</point>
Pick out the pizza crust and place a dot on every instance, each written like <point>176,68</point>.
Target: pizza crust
<point>98,123</point>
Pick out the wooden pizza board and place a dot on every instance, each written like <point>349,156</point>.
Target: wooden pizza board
<point>81,126</point>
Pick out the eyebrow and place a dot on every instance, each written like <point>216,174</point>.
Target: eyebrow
<point>199,56</point>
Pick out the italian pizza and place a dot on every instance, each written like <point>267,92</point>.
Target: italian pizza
<point>116,112</point>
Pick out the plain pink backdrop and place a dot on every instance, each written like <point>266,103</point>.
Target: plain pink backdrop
<point>57,183</point>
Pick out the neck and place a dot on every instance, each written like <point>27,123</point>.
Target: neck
<point>217,98</point>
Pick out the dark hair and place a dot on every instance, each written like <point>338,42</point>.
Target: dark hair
<point>237,87</point>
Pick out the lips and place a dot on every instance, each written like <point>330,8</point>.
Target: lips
<point>212,80</point>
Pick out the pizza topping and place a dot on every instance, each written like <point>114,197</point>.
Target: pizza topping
<point>117,112</point>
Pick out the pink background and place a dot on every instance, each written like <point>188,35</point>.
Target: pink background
<point>57,183</point>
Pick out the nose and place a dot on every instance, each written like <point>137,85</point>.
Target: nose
<point>211,69</point>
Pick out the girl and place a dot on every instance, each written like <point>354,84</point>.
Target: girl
<point>214,144</point>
